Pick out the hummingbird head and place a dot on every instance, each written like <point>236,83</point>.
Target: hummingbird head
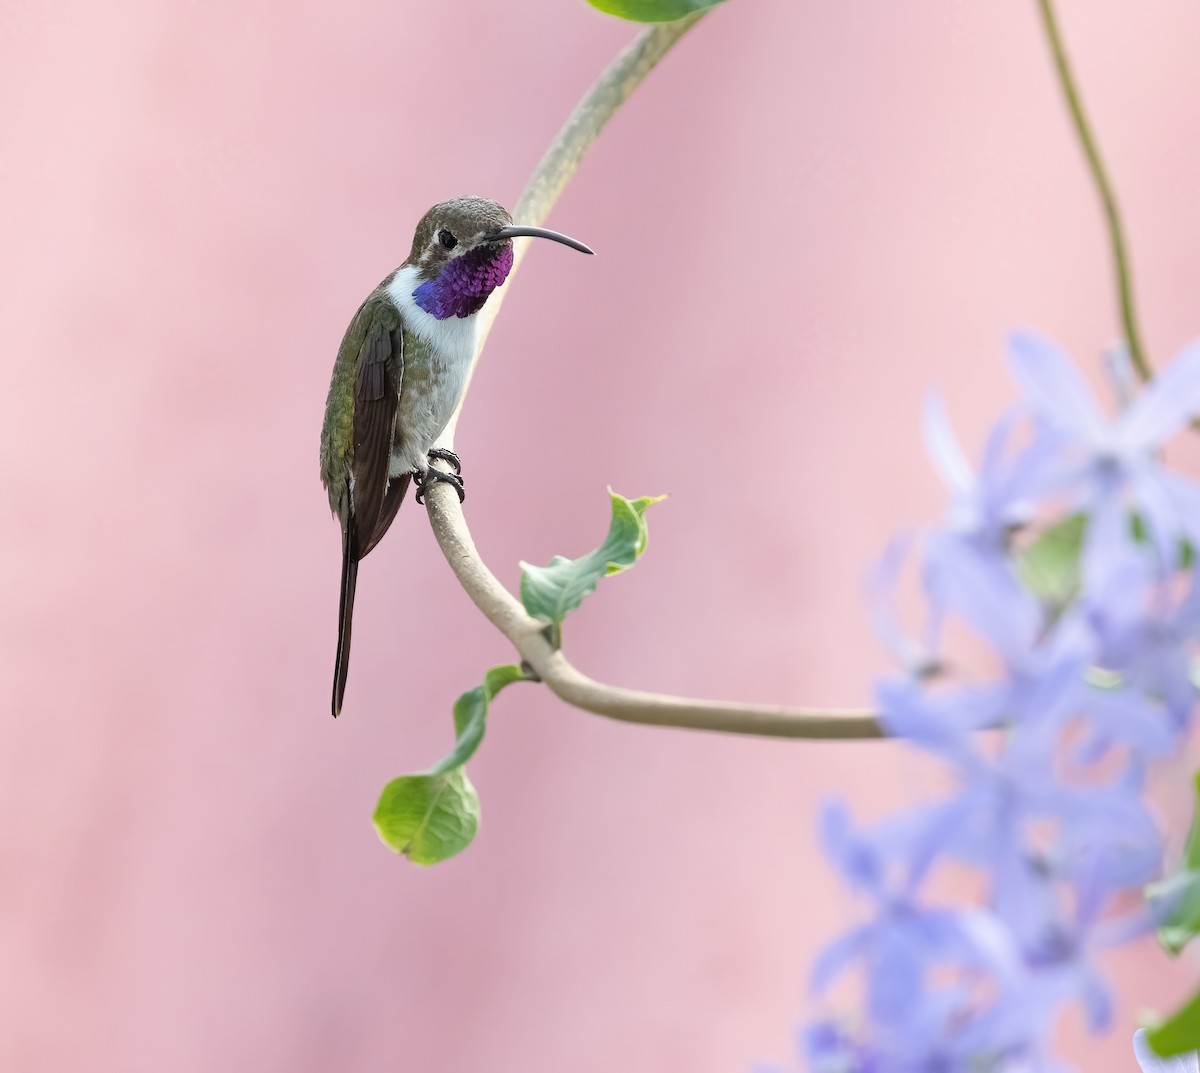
<point>462,251</point>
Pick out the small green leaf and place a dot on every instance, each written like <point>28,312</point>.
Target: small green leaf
<point>652,10</point>
<point>1178,896</point>
<point>1049,567</point>
<point>553,591</point>
<point>428,817</point>
<point>1181,893</point>
<point>1180,1032</point>
<point>470,715</point>
<point>435,814</point>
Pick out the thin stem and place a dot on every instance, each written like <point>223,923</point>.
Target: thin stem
<point>583,126</point>
<point>1116,234</point>
<point>501,608</point>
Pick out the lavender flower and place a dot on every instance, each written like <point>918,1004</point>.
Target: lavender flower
<point>1106,463</point>
<point>1051,811</point>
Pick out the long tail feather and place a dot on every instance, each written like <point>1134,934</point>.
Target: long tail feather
<point>345,615</point>
<point>354,548</point>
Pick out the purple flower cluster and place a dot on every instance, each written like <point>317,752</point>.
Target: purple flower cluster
<point>465,282</point>
<point>1048,745</point>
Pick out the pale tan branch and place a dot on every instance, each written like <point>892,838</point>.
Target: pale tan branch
<point>501,608</point>
<point>528,636</point>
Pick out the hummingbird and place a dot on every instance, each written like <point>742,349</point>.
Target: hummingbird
<point>399,375</point>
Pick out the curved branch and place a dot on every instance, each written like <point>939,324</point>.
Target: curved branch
<point>501,608</point>
<point>528,636</point>
<point>583,126</point>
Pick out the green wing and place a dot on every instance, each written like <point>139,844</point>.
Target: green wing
<point>360,424</point>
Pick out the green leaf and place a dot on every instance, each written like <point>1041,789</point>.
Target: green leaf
<point>1049,567</point>
<point>428,817</point>
<point>652,10</point>
<point>1178,896</point>
<point>1181,892</point>
<point>434,814</point>
<point>1180,1032</point>
<point>552,592</point>
<point>470,715</point>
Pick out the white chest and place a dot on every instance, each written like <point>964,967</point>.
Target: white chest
<point>432,384</point>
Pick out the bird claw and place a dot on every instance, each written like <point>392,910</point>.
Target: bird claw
<point>434,476</point>
<point>447,455</point>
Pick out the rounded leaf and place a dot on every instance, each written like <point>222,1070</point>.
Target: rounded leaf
<point>428,817</point>
<point>652,10</point>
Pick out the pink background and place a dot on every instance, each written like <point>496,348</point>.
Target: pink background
<point>809,213</point>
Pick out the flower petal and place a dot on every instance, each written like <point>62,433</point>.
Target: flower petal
<point>1165,404</point>
<point>1184,493</point>
<point>1130,716</point>
<point>895,974</point>
<point>1108,545</point>
<point>850,852</point>
<point>1012,486</point>
<point>1054,388</point>
<point>1097,1000</point>
<point>984,590</point>
<point>908,712</point>
<point>942,446</point>
<point>837,955</point>
<point>1159,512</point>
<point>882,581</point>
<point>1152,1063</point>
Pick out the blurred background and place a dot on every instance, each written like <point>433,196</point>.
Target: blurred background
<point>809,214</point>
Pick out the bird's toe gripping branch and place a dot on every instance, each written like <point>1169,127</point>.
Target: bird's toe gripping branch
<point>448,456</point>
<point>432,476</point>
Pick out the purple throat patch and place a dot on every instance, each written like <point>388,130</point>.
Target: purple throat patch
<point>462,287</point>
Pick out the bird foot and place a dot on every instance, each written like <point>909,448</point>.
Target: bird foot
<point>447,456</point>
<point>434,476</point>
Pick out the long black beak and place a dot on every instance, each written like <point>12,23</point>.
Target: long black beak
<point>534,232</point>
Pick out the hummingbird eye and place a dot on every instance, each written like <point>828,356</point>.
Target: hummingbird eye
<point>446,239</point>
